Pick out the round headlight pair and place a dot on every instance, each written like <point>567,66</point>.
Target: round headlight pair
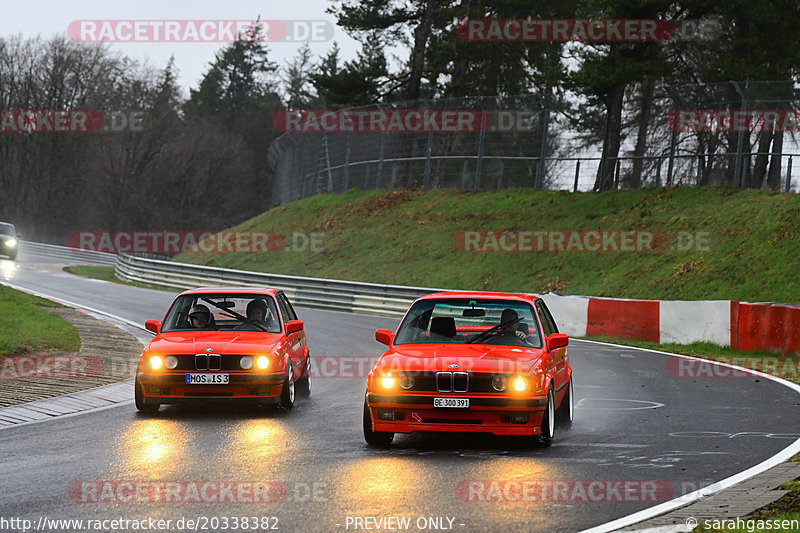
<point>262,362</point>
<point>500,383</point>
<point>156,362</point>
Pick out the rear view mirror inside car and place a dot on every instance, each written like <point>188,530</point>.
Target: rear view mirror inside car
<point>474,312</point>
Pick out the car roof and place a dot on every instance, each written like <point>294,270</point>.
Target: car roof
<point>240,290</point>
<point>6,224</point>
<point>482,295</point>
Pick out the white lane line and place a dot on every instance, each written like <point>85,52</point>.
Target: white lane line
<point>645,514</point>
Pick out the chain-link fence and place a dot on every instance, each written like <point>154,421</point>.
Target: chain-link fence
<point>674,136</point>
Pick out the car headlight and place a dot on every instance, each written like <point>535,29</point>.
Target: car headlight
<point>171,362</point>
<point>12,242</point>
<point>262,362</point>
<point>520,384</point>
<point>246,362</point>
<point>499,383</point>
<point>156,362</point>
<point>387,381</point>
<point>406,381</point>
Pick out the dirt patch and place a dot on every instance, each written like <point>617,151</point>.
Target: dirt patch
<point>390,199</point>
<point>107,355</point>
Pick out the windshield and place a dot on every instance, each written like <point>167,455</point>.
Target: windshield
<point>227,312</point>
<point>478,321</point>
<point>6,229</point>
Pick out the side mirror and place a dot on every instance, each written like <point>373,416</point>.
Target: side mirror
<point>557,340</point>
<point>152,325</point>
<point>384,336</point>
<point>293,326</point>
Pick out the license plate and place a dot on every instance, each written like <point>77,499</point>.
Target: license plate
<point>456,403</point>
<point>208,379</point>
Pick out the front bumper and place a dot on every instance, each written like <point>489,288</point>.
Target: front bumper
<point>486,414</point>
<point>164,388</point>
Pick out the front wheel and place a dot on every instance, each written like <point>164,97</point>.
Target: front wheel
<point>138,399</point>
<point>287,395</point>
<point>380,439</point>
<point>548,421</point>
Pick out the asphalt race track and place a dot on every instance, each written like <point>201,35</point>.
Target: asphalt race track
<point>633,422</point>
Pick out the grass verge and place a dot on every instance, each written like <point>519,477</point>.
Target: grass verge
<point>748,251</point>
<point>106,273</point>
<point>27,327</point>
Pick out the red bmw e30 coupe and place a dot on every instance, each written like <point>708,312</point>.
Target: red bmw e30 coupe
<point>474,362</point>
<point>221,344</point>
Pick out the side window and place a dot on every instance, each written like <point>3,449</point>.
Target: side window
<point>286,308</point>
<point>549,317</point>
<point>547,326</point>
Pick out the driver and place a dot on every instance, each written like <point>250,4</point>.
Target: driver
<point>509,325</point>
<point>257,310</point>
<point>200,316</point>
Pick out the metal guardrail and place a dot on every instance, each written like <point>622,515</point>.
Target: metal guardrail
<point>54,251</point>
<point>317,293</point>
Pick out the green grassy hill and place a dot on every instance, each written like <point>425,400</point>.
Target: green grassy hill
<point>405,237</point>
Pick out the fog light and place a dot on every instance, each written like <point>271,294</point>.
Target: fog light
<point>155,362</point>
<point>171,362</point>
<point>387,381</point>
<point>386,415</point>
<point>246,362</point>
<point>519,384</point>
<point>519,419</point>
<point>262,362</point>
<point>499,383</point>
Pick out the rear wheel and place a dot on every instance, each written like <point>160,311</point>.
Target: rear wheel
<point>287,395</point>
<point>548,421</point>
<point>380,439</point>
<point>304,383</point>
<point>138,398</point>
<point>567,407</point>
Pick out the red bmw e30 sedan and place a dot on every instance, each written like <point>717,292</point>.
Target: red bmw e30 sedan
<point>221,344</point>
<point>474,362</point>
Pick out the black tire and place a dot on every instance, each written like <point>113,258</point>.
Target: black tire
<point>380,439</point>
<point>566,411</point>
<point>288,393</point>
<point>303,385</point>
<point>138,398</point>
<point>548,421</point>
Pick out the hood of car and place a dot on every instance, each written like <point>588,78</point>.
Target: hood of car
<point>217,342</point>
<point>460,358</point>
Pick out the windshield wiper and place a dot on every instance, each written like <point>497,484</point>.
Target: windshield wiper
<point>234,314</point>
